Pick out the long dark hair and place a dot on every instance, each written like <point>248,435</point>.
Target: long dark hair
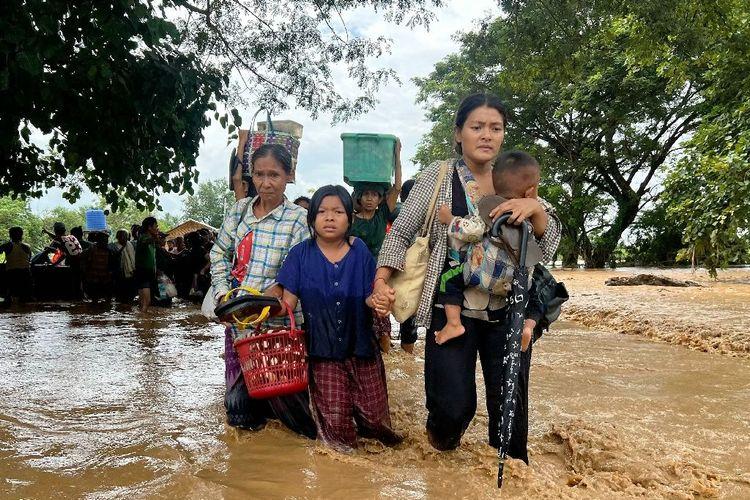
<point>277,152</point>
<point>472,102</point>
<point>317,200</point>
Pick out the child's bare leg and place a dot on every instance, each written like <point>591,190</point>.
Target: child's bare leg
<point>453,328</point>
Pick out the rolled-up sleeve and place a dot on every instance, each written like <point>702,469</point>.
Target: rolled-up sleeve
<point>410,220</point>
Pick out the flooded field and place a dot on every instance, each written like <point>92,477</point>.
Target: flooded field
<point>102,402</point>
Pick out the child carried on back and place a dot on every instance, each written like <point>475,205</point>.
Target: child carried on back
<point>478,259</point>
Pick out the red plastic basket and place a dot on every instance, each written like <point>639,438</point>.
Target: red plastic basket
<point>274,363</point>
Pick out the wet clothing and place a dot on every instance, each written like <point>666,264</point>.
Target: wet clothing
<point>450,383</point>
<point>347,374</point>
<point>351,397</point>
<point>274,235</point>
<point>450,369</point>
<point>245,412</point>
<point>338,322</point>
<point>372,231</point>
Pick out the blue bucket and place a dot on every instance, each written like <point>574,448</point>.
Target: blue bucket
<point>96,220</point>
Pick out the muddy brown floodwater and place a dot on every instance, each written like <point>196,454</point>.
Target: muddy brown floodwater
<point>100,402</point>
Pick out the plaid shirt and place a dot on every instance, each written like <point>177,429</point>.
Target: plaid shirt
<point>274,235</point>
<point>410,220</point>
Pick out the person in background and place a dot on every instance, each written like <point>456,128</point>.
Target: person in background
<point>78,233</point>
<point>374,207</point>
<point>407,331</point>
<point>241,186</point>
<point>303,201</point>
<point>125,285</point>
<point>179,245</point>
<point>145,261</point>
<point>17,266</point>
<point>135,231</point>
<point>96,264</point>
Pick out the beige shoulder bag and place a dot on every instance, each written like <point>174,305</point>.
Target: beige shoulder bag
<point>408,283</point>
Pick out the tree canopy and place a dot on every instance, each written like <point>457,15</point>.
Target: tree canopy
<point>114,95</point>
<point>210,202</point>
<point>603,92</point>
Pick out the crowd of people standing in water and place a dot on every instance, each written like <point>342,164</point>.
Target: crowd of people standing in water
<point>139,262</point>
<point>331,259</point>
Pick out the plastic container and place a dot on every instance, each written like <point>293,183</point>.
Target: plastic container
<point>369,158</point>
<point>96,220</point>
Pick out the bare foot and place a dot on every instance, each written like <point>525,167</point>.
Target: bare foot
<point>448,332</point>
<point>408,348</point>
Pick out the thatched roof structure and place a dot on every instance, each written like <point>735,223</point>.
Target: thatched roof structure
<point>186,227</point>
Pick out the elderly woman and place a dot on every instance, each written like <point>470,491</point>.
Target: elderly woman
<point>254,240</point>
<point>450,368</point>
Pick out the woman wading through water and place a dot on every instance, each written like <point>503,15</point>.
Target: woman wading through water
<point>450,368</point>
<point>254,240</point>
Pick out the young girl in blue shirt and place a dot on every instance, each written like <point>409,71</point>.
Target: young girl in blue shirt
<point>332,275</point>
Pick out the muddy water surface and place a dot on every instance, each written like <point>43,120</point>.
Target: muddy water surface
<point>107,403</point>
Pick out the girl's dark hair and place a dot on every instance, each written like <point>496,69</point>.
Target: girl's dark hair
<point>472,102</point>
<point>317,200</point>
<point>277,152</point>
<point>147,223</point>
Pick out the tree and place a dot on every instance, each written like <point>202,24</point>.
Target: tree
<point>656,236</point>
<point>114,95</point>
<point>18,213</point>
<point>602,91</point>
<point>210,203</point>
<point>709,194</point>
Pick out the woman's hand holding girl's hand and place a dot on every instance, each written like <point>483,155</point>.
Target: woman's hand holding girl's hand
<point>383,297</point>
<point>444,215</point>
<point>379,305</point>
<point>521,208</point>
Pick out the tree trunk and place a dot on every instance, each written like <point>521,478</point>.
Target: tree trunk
<point>597,255</point>
<point>570,258</point>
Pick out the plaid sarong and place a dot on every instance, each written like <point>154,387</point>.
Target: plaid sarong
<point>349,392</point>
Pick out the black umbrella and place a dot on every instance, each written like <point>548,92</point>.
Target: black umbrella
<point>517,300</point>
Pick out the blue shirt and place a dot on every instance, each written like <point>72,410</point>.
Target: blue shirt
<point>337,320</point>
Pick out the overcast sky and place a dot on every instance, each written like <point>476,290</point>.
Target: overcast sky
<point>414,53</point>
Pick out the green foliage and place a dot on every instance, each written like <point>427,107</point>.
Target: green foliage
<point>603,92</point>
<point>18,213</point>
<point>120,107</point>
<point>710,196</point>
<point>210,203</point>
<point>656,237</point>
<point>114,95</point>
